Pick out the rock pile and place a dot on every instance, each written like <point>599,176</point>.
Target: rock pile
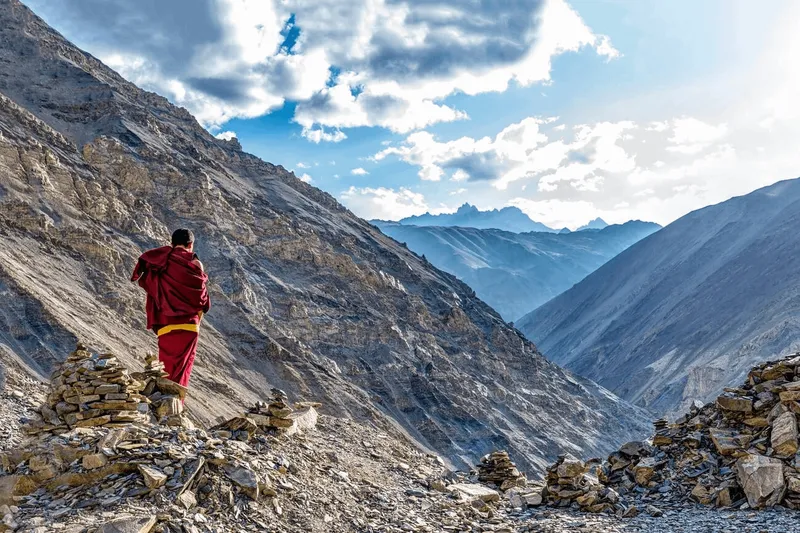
<point>91,390</point>
<point>99,442</point>
<point>570,481</point>
<point>165,396</point>
<point>738,450</point>
<point>497,469</point>
<point>276,415</point>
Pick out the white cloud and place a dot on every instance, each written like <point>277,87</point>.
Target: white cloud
<point>359,172</point>
<point>320,134</point>
<point>357,63</point>
<point>605,48</point>
<point>385,203</point>
<point>691,136</point>
<point>305,178</point>
<point>458,192</point>
<point>226,135</point>
<point>303,165</point>
<point>521,151</point>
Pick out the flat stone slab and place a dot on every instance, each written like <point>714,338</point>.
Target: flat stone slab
<point>475,492</point>
<point>129,525</point>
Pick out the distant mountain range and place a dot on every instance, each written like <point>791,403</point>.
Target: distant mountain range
<point>517,272</point>
<point>688,310</point>
<point>469,216</point>
<point>595,224</point>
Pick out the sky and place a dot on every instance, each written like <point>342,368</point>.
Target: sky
<point>569,110</point>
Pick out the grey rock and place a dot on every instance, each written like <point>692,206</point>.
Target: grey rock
<point>129,525</point>
<point>761,478</point>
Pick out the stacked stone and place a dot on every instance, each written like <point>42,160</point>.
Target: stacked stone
<point>276,414</point>
<point>570,482</point>
<point>90,390</point>
<point>741,449</point>
<point>166,396</point>
<point>497,469</point>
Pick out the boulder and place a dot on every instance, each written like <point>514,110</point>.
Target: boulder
<point>784,435</point>
<point>304,419</point>
<point>734,403</point>
<point>129,525</point>
<point>571,467</point>
<point>473,492</point>
<point>761,478</point>
<point>644,471</point>
<point>153,478</point>
<point>724,440</point>
<point>244,478</point>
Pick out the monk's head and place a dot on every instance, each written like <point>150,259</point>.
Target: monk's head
<point>183,238</point>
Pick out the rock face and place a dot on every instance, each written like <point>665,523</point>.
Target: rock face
<point>306,296</point>
<point>517,272</point>
<point>740,448</point>
<point>688,310</point>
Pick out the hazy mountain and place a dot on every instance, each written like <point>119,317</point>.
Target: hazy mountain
<point>597,223</point>
<point>468,216</point>
<point>306,296</point>
<point>518,272</point>
<point>688,310</point>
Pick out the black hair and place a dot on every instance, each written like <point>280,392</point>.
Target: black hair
<point>182,237</point>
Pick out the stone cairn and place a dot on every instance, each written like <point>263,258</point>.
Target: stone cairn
<point>497,469</point>
<point>90,390</point>
<point>100,442</point>
<point>740,450</point>
<point>96,390</point>
<point>165,396</point>
<point>273,416</point>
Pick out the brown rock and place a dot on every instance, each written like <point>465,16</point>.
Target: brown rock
<point>644,471</point>
<point>95,460</point>
<point>784,435</point>
<point>738,404</point>
<point>153,478</point>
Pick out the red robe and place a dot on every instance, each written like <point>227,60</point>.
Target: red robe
<point>177,298</point>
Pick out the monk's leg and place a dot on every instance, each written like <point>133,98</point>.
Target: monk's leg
<point>177,350</point>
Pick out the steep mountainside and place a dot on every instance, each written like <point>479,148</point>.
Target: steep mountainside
<point>306,296</point>
<point>688,310</point>
<point>516,273</point>
<point>469,216</point>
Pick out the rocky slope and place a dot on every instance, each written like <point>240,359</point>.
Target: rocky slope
<point>306,296</point>
<point>332,475</point>
<point>688,310</point>
<point>517,272</point>
<point>468,216</point>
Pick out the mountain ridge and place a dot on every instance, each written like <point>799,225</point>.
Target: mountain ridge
<point>508,218</point>
<point>517,272</point>
<point>684,312</point>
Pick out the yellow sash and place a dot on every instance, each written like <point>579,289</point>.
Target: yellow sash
<point>178,327</point>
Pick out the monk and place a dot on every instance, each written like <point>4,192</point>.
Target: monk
<point>177,299</point>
